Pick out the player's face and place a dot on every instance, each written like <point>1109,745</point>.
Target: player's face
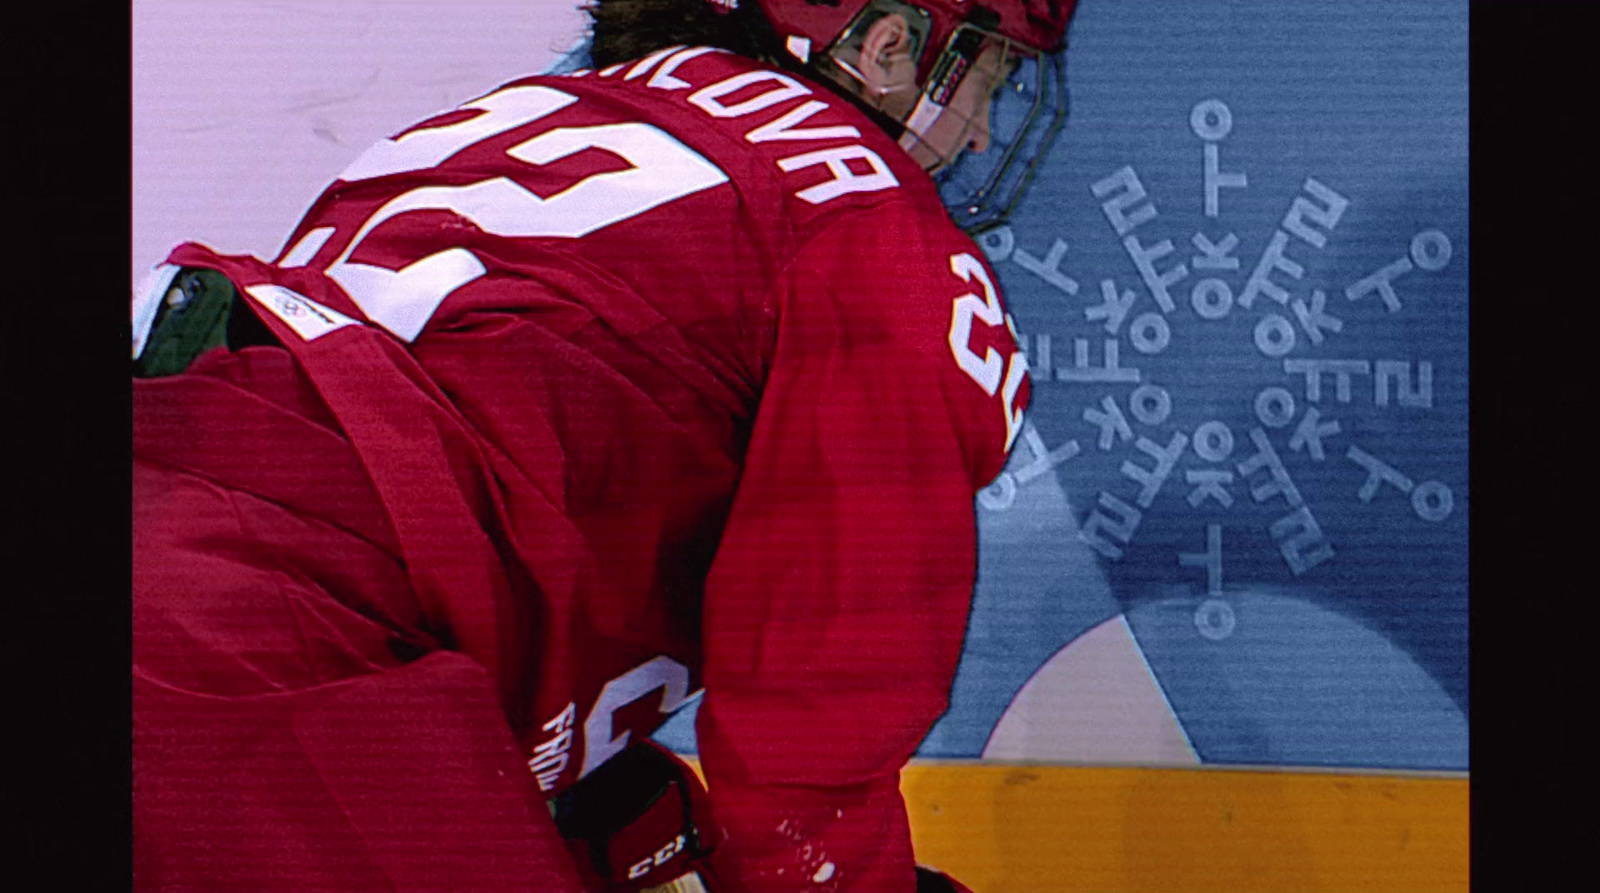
<point>964,123</point>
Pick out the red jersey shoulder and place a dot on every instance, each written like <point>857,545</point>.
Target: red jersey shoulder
<point>901,276</point>
<point>690,154</point>
<point>825,156</point>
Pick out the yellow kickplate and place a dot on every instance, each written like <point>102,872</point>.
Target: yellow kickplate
<point>1059,829</point>
<point>1074,829</point>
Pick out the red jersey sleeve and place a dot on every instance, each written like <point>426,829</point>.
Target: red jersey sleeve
<point>837,603</point>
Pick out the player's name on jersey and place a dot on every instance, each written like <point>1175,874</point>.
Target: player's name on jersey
<point>851,168</point>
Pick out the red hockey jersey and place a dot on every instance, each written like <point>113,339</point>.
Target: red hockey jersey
<point>669,377</point>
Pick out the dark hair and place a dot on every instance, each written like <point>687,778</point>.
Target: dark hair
<point>622,30</point>
<point>627,29</point>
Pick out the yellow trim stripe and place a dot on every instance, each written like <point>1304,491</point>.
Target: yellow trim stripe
<point>1037,828</point>
<point>1063,829</point>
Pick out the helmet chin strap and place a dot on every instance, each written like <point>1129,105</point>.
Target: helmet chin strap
<point>922,118</point>
<point>914,133</point>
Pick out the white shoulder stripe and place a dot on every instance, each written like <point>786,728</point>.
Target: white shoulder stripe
<point>147,298</point>
<point>306,317</point>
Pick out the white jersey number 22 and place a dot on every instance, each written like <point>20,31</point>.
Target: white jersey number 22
<point>403,300</point>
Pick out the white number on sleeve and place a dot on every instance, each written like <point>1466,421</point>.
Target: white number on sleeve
<point>984,370</point>
<point>987,369</point>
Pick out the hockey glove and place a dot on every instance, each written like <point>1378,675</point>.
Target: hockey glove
<point>639,820</point>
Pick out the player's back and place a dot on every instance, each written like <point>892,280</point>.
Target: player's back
<point>638,217</point>
<point>603,247</point>
<point>586,271</point>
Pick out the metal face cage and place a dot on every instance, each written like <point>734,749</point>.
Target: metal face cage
<point>982,189</point>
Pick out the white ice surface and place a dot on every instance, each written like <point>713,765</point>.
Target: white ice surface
<point>243,111</point>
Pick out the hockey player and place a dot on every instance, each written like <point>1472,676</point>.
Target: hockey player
<point>668,375</point>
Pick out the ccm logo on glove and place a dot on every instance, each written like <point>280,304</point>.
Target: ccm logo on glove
<point>663,856</point>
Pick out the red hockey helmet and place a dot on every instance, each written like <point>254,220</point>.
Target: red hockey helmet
<point>947,38</point>
<point>1039,25</point>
